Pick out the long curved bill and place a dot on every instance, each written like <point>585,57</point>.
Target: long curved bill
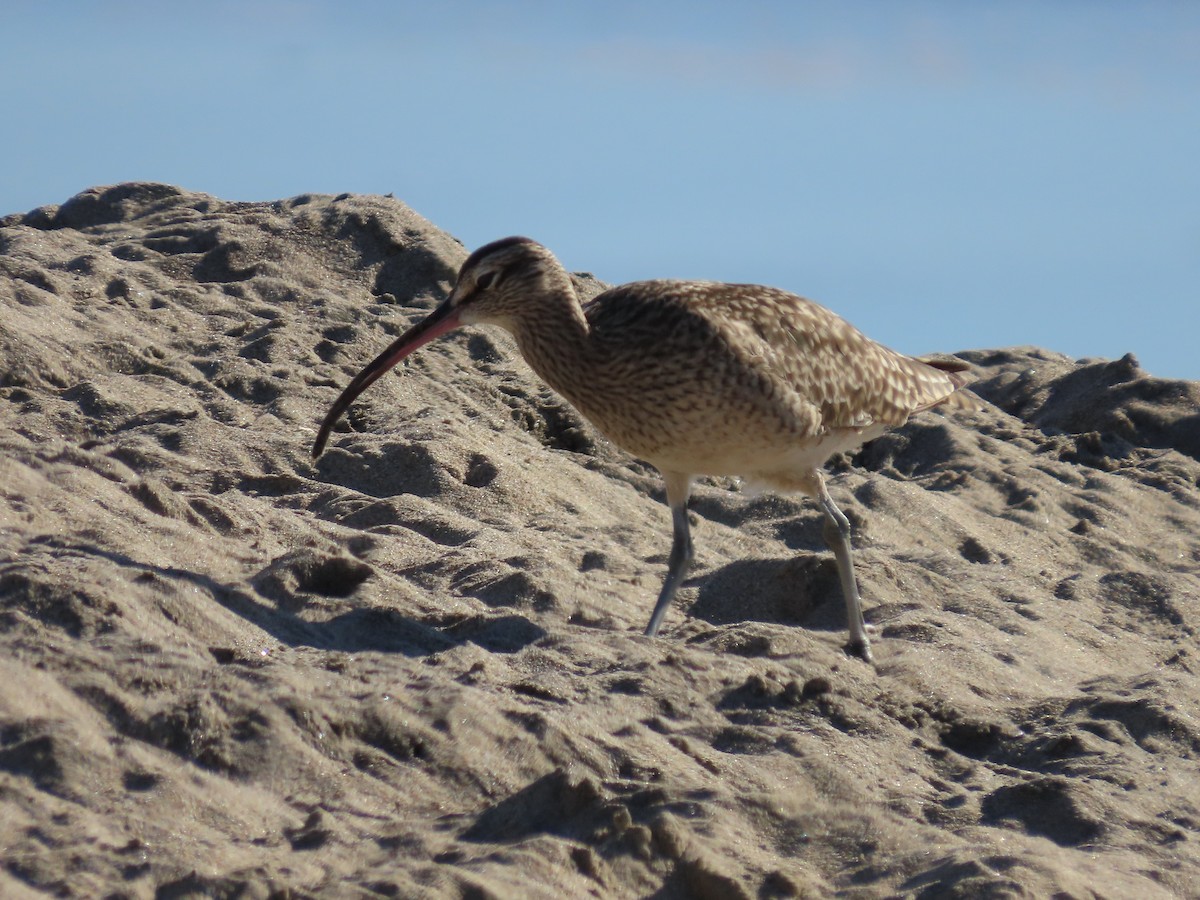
<point>443,319</point>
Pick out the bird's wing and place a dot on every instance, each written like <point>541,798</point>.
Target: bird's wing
<point>752,345</point>
<point>822,359</point>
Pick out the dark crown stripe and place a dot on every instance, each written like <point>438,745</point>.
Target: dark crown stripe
<point>489,249</point>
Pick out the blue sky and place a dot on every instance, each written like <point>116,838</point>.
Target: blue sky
<point>946,175</point>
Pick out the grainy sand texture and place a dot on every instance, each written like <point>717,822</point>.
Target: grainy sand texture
<point>415,668</point>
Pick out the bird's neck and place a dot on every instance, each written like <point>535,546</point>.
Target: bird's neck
<point>554,336</point>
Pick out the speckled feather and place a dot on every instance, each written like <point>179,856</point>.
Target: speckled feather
<point>704,377</point>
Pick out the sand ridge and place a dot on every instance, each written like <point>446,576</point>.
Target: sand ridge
<point>414,668</point>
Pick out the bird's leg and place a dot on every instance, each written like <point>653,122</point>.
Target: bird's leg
<point>678,489</point>
<point>837,537</point>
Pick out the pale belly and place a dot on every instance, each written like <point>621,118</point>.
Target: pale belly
<point>772,466</point>
<point>766,455</point>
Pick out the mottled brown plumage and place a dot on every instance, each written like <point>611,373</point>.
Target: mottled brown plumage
<point>696,378</point>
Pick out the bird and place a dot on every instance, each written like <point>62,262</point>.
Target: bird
<point>697,378</point>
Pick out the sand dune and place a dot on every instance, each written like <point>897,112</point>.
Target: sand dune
<point>415,668</point>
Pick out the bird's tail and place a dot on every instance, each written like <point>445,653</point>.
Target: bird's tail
<point>961,399</point>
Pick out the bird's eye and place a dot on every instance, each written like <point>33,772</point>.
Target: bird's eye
<point>485,281</point>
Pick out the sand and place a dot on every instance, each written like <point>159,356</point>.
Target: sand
<point>415,668</point>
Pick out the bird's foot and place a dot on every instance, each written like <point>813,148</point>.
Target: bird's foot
<point>861,649</point>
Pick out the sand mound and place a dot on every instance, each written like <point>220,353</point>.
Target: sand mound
<point>415,668</point>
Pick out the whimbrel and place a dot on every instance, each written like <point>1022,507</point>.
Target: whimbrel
<point>696,378</point>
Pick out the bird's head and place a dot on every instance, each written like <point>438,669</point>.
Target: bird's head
<point>498,281</point>
<point>492,287</point>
